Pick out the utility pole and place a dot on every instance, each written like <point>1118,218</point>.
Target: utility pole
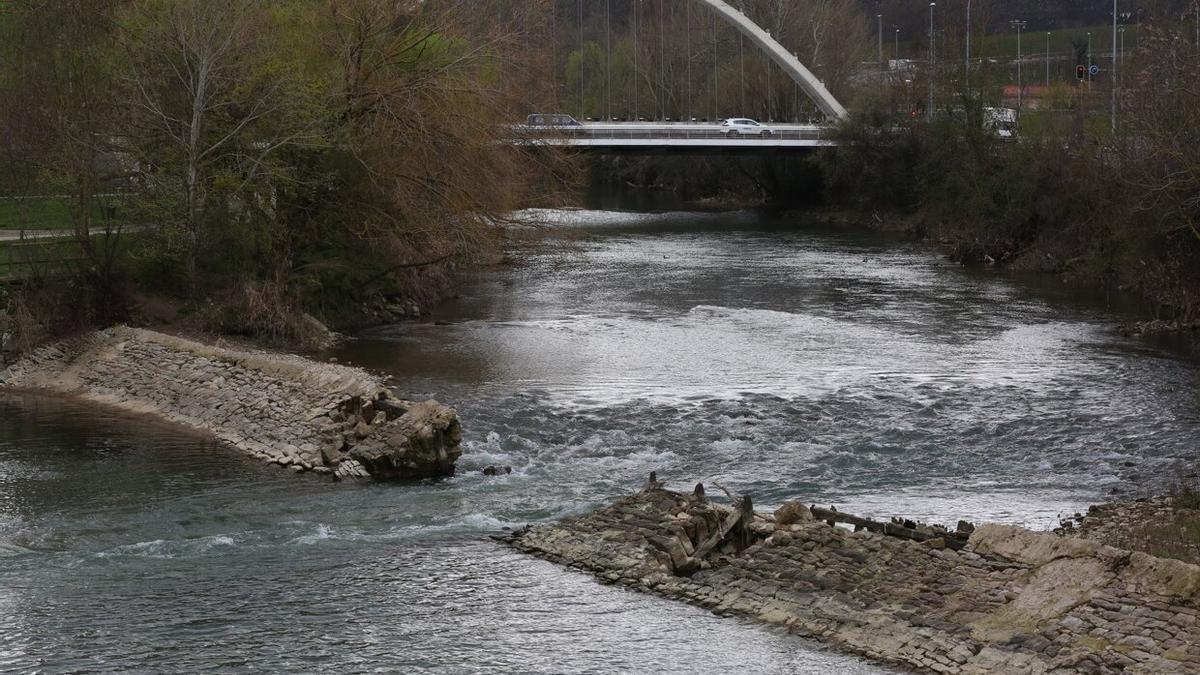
<point>967,65</point>
<point>932,63</point>
<point>1020,90</point>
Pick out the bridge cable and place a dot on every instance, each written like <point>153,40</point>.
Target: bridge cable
<point>637,6</point>
<point>582,109</point>
<point>608,59</point>
<point>688,18</point>
<point>716,74</point>
<point>662,60</point>
<point>770,94</point>
<point>796,105</point>
<point>554,54</point>
<point>742,62</point>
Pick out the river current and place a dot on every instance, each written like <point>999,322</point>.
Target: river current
<point>777,359</point>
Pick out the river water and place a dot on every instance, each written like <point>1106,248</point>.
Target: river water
<point>779,360</point>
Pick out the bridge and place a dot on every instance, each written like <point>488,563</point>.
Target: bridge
<point>674,138</point>
<point>677,137</point>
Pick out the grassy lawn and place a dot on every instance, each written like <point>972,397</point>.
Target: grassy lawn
<point>44,213</point>
<point>1033,43</point>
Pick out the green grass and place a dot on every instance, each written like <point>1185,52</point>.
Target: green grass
<point>47,213</point>
<point>1033,43</point>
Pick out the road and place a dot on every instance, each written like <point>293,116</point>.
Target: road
<point>26,235</point>
<point>18,235</point>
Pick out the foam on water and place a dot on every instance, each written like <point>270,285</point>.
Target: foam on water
<point>785,363</point>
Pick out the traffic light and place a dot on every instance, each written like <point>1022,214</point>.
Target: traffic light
<point>1081,73</point>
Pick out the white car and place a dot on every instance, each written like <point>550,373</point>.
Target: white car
<point>741,126</point>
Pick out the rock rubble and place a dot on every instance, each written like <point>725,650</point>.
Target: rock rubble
<point>282,409</point>
<point>1010,601</point>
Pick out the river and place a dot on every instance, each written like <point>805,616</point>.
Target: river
<point>777,359</point>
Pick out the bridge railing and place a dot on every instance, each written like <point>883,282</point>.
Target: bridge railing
<point>666,133</point>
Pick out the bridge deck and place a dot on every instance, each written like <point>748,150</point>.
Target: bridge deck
<point>650,135</point>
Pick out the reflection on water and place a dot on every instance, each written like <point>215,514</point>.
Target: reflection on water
<point>785,362</point>
<point>842,366</point>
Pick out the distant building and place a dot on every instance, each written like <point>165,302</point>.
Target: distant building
<point>1031,96</point>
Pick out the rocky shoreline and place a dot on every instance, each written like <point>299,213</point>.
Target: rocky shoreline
<point>286,410</point>
<point>1010,600</point>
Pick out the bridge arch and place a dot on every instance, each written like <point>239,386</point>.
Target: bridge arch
<point>782,57</point>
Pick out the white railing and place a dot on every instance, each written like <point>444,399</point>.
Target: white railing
<point>669,133</point>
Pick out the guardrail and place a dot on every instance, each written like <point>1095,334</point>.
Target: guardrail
<point>666,133</point>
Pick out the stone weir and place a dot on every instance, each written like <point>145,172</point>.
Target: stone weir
<point>1008,600</point>
<point>283,409</point>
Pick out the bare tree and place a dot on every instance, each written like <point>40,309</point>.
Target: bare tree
<point>423,98</point>
<point>202,86</point>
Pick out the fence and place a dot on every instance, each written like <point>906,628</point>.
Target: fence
<point>26,258</point>
<point>668,133</point>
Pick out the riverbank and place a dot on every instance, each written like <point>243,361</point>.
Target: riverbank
<point>285,410</point>
<point>1011,601</point>
<point>1107,213</point>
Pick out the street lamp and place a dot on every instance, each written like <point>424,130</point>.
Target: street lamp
<point>879,18</point>
<point>1114,69</point>
<point>932,5</point>
<point>1047,59</point>
<point>1020,94</point>
<point>897,44</point>
<point>1089,79</point>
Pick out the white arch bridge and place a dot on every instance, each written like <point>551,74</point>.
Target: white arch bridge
<point>784,59</point>
<point>682,137</point>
